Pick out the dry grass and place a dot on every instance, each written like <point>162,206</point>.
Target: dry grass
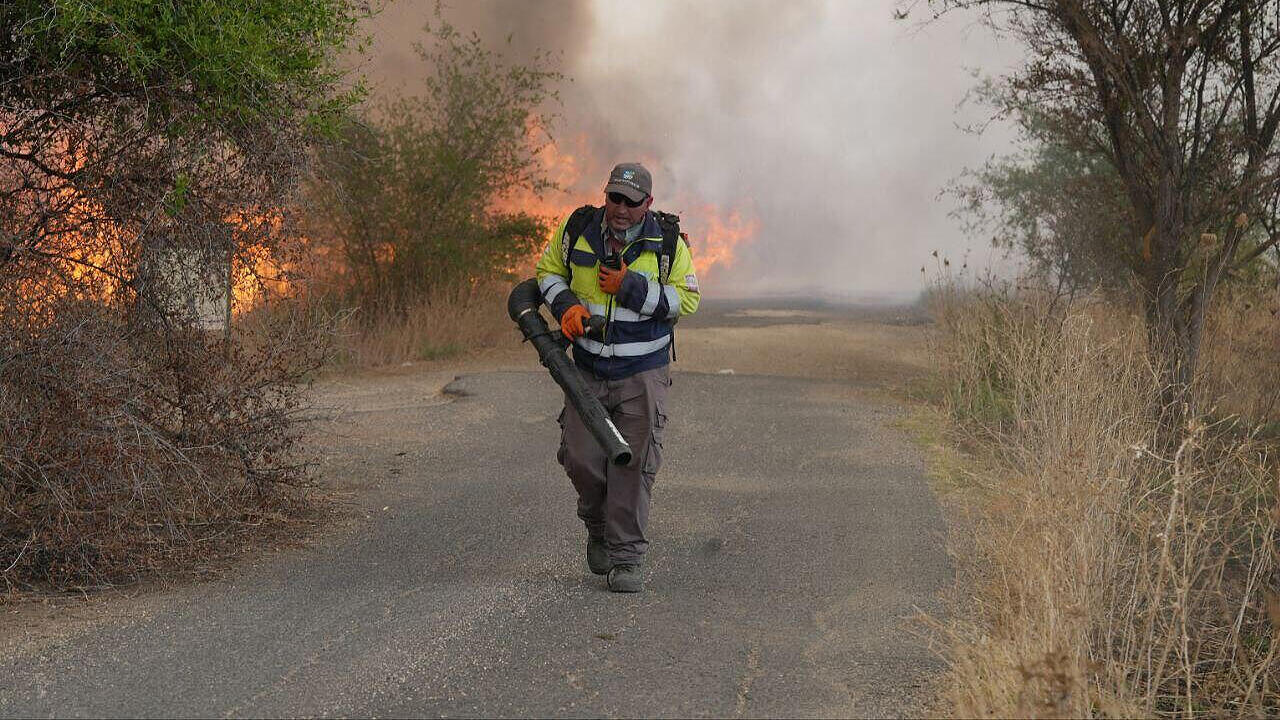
<point>448,323</point>
<point>1110,578</point>
<point>1242,354</point>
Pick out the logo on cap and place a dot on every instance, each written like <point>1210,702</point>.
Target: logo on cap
<point>628,174</point>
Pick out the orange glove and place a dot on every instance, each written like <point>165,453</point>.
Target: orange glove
<point>571,321</point>
<point>611,280</point>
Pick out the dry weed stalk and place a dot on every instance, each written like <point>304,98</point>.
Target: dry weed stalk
<point>1112,578</point>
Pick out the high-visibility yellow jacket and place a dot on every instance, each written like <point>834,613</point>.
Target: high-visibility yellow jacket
<point>642,313</point>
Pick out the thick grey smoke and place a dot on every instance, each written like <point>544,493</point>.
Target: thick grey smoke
<point>831,124</point>
<point>519,29</point>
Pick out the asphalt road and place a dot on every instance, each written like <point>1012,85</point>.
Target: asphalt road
<point>793,537</point>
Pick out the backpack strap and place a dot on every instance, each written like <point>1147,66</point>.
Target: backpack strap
<point>578,222</point>
<point>670,226</point>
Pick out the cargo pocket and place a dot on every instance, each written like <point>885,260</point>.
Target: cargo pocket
<point>653,454</point>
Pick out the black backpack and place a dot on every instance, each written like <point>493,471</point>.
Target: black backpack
<point>668,223</point>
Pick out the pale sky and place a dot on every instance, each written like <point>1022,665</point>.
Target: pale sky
<point>830,124</point>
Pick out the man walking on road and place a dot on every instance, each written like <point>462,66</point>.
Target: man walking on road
<point>628,264</point>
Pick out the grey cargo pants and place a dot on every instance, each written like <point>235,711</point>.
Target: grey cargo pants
<point>613,501</point>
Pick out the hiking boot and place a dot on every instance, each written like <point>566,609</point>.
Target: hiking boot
<point>626,579</point>
<point>598,556</point>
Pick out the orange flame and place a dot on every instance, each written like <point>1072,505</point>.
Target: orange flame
<point>715,233</point>
<point>259,274</point>
<point>715,236</point>
<point>561,167</point>
<point>95,257</point>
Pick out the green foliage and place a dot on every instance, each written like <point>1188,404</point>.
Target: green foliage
<point>177,199</point>
<point>413,197</point>
<point>1058,204</point>
<point>237,62</point>
<point>116,112</point>
<point>1062,209</point>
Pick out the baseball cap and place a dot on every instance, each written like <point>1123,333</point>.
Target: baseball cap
<point>630,179</point>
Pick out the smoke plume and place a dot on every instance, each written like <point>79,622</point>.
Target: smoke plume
<point>826,129</point>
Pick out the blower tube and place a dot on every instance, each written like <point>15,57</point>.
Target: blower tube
<point>522,306</point>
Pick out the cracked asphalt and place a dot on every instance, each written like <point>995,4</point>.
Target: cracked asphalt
<point>794,538</point>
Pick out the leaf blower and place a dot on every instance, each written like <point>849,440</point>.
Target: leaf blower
<point>523,307</point>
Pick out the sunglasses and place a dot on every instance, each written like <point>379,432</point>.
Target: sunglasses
<point>620,199</point>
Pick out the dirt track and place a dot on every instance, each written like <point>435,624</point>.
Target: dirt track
<point>873,346</point>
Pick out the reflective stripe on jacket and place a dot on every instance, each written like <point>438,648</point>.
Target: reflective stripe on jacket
<point>639,331</point>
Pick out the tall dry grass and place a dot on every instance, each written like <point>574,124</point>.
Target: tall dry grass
<point>1241,374</point>
<point>1110,578</point>
<point>450,322</point>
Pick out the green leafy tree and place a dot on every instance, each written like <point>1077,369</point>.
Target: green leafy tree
<point>129,124</point>
<point>1060,208</point>
<point>413,198</point>
<point>1181,99</point>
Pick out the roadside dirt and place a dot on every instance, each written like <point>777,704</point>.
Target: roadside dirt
<point>876,349</point>
<point>883,347</point>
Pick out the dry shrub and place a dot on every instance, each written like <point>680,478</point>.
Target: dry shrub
<point>123,448</point>
<point>1109,578</point>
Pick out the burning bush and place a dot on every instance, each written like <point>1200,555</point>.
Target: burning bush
<point>410,203</point>
<point>139,142</point>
